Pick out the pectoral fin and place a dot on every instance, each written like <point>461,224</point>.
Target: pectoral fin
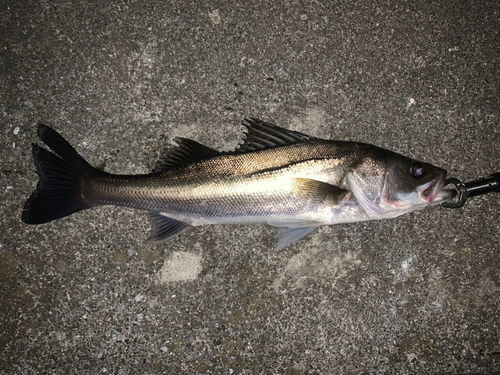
<point>318,192</point>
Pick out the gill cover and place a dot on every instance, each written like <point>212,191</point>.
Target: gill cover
<point>366,180</point>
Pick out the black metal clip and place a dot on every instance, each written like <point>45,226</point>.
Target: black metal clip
<point>490,184</point>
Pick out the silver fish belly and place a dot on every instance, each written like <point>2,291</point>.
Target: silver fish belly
<point>277,176</point>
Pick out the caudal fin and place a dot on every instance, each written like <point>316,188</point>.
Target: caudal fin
<point>59,190</point>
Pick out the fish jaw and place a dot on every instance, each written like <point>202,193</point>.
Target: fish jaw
<point>433,192</point>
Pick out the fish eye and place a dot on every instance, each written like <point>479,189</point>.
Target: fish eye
<point>417,170</point>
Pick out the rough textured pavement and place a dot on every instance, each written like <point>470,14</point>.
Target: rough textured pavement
<point>88,294</point>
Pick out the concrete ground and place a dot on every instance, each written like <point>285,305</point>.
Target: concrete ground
<point>88,294</point>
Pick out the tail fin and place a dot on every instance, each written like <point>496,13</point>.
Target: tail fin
<point>58,193</point>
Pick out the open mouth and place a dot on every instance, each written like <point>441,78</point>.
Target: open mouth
<point>433,191</point>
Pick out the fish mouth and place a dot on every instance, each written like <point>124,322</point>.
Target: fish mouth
<point>433,192</point>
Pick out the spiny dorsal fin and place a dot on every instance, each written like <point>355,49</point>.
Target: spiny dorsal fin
<point>262,135</point>
<point>187,151</point>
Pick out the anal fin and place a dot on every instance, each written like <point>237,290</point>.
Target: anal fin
<point>165,227</point>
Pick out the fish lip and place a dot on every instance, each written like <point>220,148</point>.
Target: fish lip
<point>433,191</point>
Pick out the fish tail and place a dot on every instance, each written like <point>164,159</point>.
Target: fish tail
<point>61,178</point>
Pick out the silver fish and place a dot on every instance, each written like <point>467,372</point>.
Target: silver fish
<point>276,176</point>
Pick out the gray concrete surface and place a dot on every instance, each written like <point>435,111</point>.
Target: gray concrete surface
<point>89,295</point>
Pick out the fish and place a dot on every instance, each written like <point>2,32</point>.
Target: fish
<point>276,176</point>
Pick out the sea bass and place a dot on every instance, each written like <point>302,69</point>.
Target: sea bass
<point>276,176</point>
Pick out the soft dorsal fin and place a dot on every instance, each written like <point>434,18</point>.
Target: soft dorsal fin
<point>187,151</point>
<point>262,135</point>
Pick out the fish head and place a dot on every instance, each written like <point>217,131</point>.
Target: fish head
<point>387,184</point>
